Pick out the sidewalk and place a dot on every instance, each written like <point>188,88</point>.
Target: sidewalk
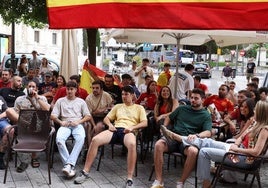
<point>112,174</point>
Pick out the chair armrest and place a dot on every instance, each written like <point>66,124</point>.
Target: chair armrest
<point>260,157</point>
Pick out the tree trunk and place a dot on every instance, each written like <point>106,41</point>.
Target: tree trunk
<point>91,37</point>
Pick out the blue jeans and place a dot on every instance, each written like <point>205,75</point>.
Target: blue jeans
<point>212,150</point>
<point>63,134</point>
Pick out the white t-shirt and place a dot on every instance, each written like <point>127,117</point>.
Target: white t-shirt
<point>185,82</point>
<point>70,110</point>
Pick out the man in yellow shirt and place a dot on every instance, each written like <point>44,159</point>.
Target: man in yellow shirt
<point>128,118</point>
<point>164,77</point>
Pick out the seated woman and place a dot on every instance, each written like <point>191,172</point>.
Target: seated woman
<point>246,113</point>
<point>253,141</point>
<point>165,104</point>
<point>148,99</point>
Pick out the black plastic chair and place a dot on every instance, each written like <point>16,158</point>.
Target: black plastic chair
<point>34,133</point>
<point>254,169</point>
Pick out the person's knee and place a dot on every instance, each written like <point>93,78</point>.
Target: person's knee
<point>192,151</point>
<point>160,147</point>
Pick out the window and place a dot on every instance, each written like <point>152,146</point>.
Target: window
<point>36,36</point>
<point>54,38</point>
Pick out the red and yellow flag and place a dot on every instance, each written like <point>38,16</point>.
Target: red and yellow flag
<point>91,73</point>
<point>159,14</point>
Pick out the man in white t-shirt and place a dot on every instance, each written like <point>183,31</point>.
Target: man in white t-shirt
<point>144,70</point>
<point>70,113</point>
<point>185,83</point>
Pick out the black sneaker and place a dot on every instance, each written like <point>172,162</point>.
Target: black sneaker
<point>129,183</point>
<point>83,176</point>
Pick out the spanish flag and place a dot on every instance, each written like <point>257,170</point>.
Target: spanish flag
<point>159,14</point>
<point>90,73</point>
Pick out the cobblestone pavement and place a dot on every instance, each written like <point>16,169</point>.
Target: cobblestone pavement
<point>112,174</point>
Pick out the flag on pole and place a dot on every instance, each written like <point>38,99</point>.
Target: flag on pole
<point>90,73</point>
<point>159,14</point>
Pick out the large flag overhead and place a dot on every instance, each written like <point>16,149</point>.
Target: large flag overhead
<point>159,14</point>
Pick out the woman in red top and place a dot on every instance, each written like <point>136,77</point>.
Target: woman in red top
<point>165,104</point>
<point>148,99</point>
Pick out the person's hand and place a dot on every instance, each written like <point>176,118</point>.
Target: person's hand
<point>191,137</point>
<point>73,123</point>
<point>64,123</point>
<point>234,147</point>
<point>112,128</point>
<point>128,130</point>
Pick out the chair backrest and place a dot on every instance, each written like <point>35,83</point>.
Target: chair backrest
<point>33,124</point>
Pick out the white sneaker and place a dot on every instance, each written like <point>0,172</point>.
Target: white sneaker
<point>179,185</point>
<point>72,172</point>
<point>157,184</point>
<point>67,169</point>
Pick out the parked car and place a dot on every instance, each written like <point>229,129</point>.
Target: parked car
<point>6,62</point>
<point>203,69</point>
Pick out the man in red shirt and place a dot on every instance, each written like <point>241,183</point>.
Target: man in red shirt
<point>223,105</point>
<point>81,93</point>
<point>5,79</point>
<point>198,84</point>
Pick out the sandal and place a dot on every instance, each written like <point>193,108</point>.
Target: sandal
<point>22,167</point>
<point>35,163</point>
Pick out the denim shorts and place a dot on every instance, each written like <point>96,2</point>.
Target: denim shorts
<point>3,124</point>
<point>175,146</point>
<point>118,136</point>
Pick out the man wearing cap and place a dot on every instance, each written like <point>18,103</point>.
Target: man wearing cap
<point>34,63</point>
<point>45,88</point>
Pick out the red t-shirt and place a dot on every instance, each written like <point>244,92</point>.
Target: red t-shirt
<point>222,105</point>
<point>203,87</point>
<point>149,98</point>
<point>3,85</point>
<point>81,93</point>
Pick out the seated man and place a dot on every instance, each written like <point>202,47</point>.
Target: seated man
<point>189,120</point>
<point>128,118</point>
<point>70,113</point>
<point>30,101</point>
<point>98,103</point>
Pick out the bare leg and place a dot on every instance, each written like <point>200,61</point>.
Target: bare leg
<point>189,163</point>
<point>12,115</point>
<point>99,140</point>
<point>160,148</point>
<point>130,143</point>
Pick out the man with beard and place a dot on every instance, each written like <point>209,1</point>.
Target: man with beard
<point>98,103</point>
<point>11,94</point>
<point>5,79</point>
<point>29,77</point>
<point>221,102</point>
<point>112,89</point>
<point>188,120</point>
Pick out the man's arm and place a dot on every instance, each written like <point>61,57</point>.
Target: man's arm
<point>140,125</point>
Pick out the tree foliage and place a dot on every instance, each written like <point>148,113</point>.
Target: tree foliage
<point>30,12</point>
